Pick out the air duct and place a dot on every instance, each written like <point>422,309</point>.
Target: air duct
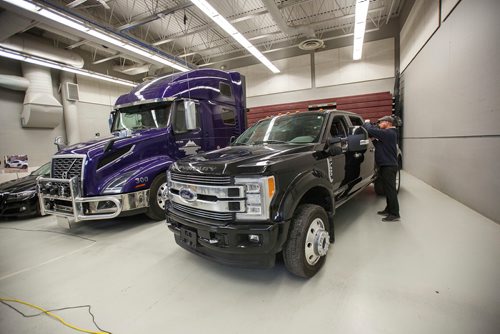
<point>41,109</point>
<point>33,46</point>
<point>14,82</point>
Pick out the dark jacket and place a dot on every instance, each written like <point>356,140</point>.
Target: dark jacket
<point>385,141</point>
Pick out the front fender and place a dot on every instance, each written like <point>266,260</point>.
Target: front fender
<point>141,174</point>
<point>298,188</point>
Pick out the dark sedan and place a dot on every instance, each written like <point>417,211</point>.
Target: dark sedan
<point>18,198</point>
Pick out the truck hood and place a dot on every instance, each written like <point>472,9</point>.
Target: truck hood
<point>255,159</point>
<point>96,147</point>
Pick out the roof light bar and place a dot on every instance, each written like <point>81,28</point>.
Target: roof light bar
<point>47,63</point>
<point>359,27</point>
<point>87,29</point>
<point>228,27</point>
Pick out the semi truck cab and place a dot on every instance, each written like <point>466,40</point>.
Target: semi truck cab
<point>155,124</point>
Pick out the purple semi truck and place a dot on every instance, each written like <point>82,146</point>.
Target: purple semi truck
<point>155,124</point>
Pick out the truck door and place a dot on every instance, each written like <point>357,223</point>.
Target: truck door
<point>368,163</point>
<point>360,155</point>
<point>188,138</point>
<point>337,168</point>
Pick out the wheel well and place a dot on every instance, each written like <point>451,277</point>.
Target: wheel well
<point>319,196</point>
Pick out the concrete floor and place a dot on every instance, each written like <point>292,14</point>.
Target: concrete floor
<point>436,271</point>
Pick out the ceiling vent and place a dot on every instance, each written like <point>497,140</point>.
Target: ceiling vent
<point>311,44</point>
<point>72,92</point>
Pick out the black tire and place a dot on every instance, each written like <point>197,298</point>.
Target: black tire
<point>309,225</point>
<point>379,187</point>
<point>156,210</point>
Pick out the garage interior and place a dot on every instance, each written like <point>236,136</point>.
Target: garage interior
<point>433,62</point>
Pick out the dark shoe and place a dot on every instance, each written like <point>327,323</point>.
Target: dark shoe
<point>383,213</point>
<point>391,218</point>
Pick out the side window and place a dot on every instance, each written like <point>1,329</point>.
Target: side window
<point>227,116</point>
<point>356,121</point>
<point>225,89</point>
<point>179,123</point>
<point>338,128</point>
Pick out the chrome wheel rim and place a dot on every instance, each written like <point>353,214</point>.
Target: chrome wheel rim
<point>317,241</point>
<point>161,197</point>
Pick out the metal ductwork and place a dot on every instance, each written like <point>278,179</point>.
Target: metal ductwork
<point>14,82</point>
<point>41,109</point>
<point>275,12</point>
<point>33,46</point>
<point>133,69</point>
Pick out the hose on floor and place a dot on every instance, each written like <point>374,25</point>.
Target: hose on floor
<point>52,315</point>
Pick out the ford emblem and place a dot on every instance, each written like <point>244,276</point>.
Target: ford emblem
<point>187,194</point>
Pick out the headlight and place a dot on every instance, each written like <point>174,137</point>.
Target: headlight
<point>23,195</point>
<point>259,192</point>
<point>115,186</point>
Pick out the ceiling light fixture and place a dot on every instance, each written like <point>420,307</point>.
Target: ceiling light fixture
<point>359,27</point>
<point>47,63</point>
<point>210,11</point>
<point>88,29</point>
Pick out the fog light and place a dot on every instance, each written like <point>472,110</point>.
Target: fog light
<point>255,238</point>
<point>23,208</point>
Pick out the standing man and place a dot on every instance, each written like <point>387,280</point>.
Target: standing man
<point>385,139</point>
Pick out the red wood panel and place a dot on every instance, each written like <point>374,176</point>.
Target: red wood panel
<point>370,106</point>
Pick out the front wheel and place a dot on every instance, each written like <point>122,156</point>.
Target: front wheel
<point>305,251</point>
<point>156,210</point>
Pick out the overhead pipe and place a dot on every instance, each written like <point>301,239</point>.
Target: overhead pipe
<point>34,46</point>
<point>14,82</point>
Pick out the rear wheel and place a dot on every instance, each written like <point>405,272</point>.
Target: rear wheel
<point>156,210</point>
<point>305,251</point>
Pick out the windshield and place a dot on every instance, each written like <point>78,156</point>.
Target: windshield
<point>147,116</point>
<point>43,171</point>
<point>287,129</point>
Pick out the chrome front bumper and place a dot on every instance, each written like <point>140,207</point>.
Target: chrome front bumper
<point>63,198</point>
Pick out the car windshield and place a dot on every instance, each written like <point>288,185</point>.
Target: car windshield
<point>286,129</point>
<point>146,116</point>
<point>44,170</point>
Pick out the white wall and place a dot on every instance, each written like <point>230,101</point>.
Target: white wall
<point>452,108</point>
<point>97,98</point>
<point>14,139</point>
<point>418,28</point>
<point>323,74</point>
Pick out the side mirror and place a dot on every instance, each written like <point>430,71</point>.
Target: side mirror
<point>358,139</point>
<point>190,114</point>
<point>232,139</point>
<point>59,142</point>
<point>334,147</point>
<point>111,119</point>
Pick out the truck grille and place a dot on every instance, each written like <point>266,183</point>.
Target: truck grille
<point>211,180</point>
<point>66,168</point>
<point>224,216</point>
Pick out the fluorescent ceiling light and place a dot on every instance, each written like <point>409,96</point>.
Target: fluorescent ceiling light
<point>359,28</point>
<point>91,31</point>
<point>228,27</point>
<point>47,63</point>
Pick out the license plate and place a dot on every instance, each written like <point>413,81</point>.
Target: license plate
<point>188,237</point>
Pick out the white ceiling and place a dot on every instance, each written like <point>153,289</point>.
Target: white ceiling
<point>180,29</point>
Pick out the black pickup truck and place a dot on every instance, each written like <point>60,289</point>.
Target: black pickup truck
<point>275,189</point>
